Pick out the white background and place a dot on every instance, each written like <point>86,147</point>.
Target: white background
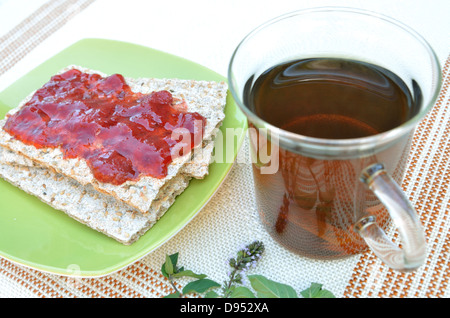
<point>204,31</point>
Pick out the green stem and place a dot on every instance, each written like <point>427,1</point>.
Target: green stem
<point>228,286</point>
<point>173,285</point>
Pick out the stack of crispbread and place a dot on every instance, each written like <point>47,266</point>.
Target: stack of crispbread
<point>123,212</point>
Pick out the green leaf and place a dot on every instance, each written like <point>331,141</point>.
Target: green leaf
<point>242,292</point>
<point>266,288</point>
<point>169,267</point>
<point>313,290</point>
<point>189,273</point>
<point>211,294</point>
<point>173,295</point>
<point>174,259</point>
<point>316,291</point>
<point>326,294</point>
<point>199,286</point>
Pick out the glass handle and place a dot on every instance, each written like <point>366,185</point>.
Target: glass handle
<point>412,254</point>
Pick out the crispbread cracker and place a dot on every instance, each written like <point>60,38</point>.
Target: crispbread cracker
<point>83,203</point>
<point>206,98</point>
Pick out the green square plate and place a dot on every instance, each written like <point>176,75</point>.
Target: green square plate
<point>35,235</point>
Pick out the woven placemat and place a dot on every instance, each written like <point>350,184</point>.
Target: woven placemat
<point>427,183</point>
<point>39,25</point>
<point>230,219</point>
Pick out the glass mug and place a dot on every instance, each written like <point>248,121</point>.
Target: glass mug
<point>331,198</point>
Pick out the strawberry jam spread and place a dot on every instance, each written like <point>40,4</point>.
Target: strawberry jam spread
<point>122,135</point>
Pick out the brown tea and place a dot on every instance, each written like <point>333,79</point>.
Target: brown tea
<point>331,98</point>
<point>308,205</point>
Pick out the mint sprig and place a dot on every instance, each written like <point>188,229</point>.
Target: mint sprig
<point>170,270</point>
<point>246,259</point>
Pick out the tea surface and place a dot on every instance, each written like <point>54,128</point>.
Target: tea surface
<point>331,98</point>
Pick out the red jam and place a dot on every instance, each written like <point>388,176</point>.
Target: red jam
<point>122,135</point>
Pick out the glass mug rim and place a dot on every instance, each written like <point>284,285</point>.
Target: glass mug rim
<point>338,145</point>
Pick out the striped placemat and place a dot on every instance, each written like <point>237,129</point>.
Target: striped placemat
<point>427,183</point>
<point>39,25</point>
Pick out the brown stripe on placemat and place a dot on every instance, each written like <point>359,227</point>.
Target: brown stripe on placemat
<point>135,281</point>
<point>41,284</point>
<point>23,38</point>
<point>426,181</point>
